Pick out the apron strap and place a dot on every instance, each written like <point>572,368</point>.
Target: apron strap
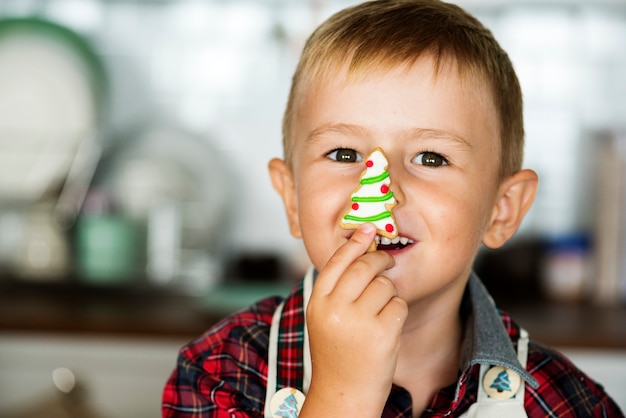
<point>274,337</point>
<point>307,366</point>
<point>272,368</point>
<point>487,407</point>
<point>522,355</point>
<point>522,347</point>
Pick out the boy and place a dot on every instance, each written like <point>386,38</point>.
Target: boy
<point>406,330</point>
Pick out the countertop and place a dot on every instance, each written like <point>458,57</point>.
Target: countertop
<point>74,309</point>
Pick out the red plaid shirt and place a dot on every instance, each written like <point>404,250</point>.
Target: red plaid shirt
<point>224,372</point>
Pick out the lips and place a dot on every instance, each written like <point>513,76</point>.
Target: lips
<point>397,243</point>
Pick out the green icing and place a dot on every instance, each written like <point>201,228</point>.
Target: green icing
<point>368,199</point>
<point>375,179</point>
<point>372,218</point>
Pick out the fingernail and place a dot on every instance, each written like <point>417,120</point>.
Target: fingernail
<point>368,228</point>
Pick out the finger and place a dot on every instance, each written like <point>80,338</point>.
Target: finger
<point>395,312</point>
<point>376,295</point>
<point>344,256</point>
<point>359,275</point>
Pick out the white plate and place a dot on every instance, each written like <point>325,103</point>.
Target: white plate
<point>52,97</point>
<point>167,166</point>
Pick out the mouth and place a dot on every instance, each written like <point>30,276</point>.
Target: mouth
<point>397,243</point>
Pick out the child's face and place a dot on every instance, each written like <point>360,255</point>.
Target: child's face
<point>441,139</point>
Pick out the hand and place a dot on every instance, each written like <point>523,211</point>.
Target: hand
<point>354,320</point>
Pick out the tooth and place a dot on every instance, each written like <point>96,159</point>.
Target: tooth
<point>385,241</point>
<point>404,240</point>
<point>377,239</point>
<point>395,240</point>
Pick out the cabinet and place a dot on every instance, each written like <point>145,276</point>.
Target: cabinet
<point>115,376</point>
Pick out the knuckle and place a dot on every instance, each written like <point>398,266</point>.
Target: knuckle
<point>334,261</point>
<point>361,265</point>
<point>402,308</point>
<point>385,284</point>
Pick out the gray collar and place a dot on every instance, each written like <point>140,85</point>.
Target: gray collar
<point>486,341</point>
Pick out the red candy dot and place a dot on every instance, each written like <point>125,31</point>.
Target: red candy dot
<point>355,206</point>
<point>369,163</point>
<point>384,189</point>
<point>389,228</point>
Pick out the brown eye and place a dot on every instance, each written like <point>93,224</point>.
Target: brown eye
<point>345,155</point>
<point>430,159</point>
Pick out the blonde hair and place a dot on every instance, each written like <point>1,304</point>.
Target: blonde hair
<point>386,33</point>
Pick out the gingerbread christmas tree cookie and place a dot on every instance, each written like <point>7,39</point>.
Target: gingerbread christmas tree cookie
<point>373,199</point>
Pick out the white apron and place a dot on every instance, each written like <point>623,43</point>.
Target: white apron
<point>286,402</point>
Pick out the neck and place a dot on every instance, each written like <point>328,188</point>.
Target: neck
<point>430,348</point>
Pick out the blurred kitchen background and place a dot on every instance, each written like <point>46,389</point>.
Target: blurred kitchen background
<point>136,209</point>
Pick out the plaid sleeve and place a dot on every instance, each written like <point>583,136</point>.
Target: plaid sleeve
<point>564,391</point>
<point>223,374</point>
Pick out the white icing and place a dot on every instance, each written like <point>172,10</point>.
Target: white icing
<point>367,209</point>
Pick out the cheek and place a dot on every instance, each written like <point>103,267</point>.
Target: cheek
<point>322,200</point>
<point>463,218</point>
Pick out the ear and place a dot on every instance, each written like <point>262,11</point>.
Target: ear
<point>282,180</point>
<point>515,196</point>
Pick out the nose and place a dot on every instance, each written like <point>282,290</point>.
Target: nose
<point>395,180</point>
